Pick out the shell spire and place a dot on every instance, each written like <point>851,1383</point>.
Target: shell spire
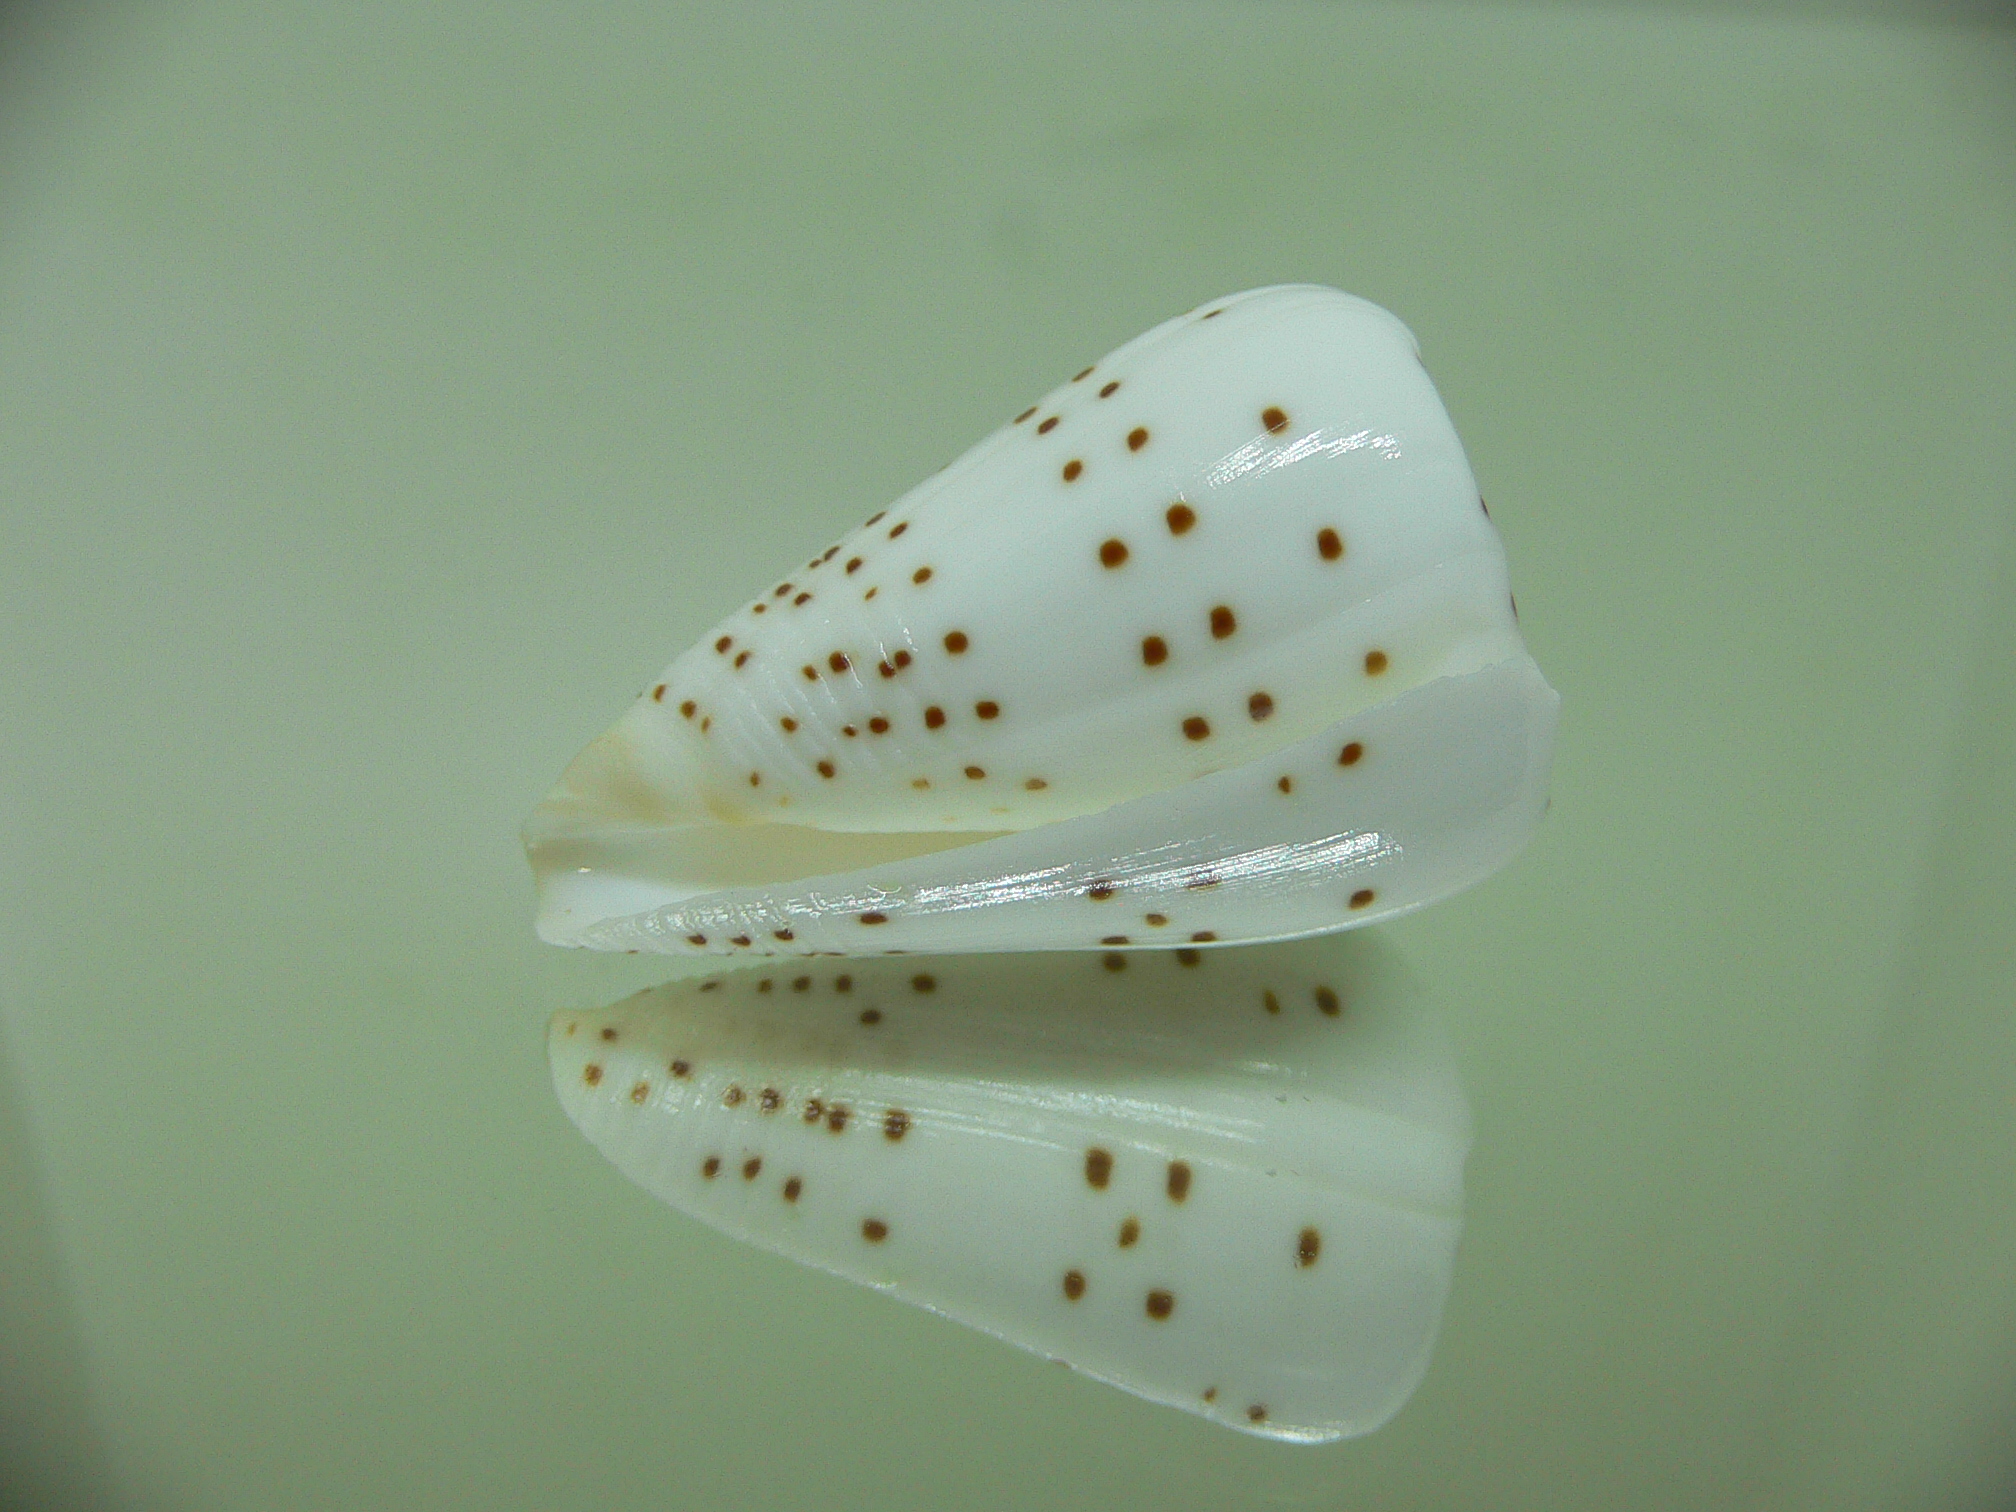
<point>1219,623</point>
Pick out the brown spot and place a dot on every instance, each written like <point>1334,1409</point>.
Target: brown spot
<point>1256,1413</point>
<point>1203,937</point>
<point>1223,622</point>
<point>976,773</point>
<point>724,643</point>
<point>1137,438</point>
<point>987,709</point>
<point>933,717</point>
<point>742,940</point>
<point>826,769</point>
<point>1154,650</point>
<point>879,725</point>
<point>711,1167</point>
<point>1188,957</point>
<point>1210,1392</point>
<point>1275,419</point>
<point>843,984</point>
<point>871,1016</point>
<point>658,694</point>
<point>1080,377</point>
<point>1272,1003</point>
<point>1160,1305</point>
<point>570,1030</point>
<point>1483,506</point>
<point>921,575</point>
<point>955,641</point>
<point>1286,784</point>
<point>1361,897</point>
<point>608,1034</point>
<point>792,1188</point>
<point>1047,426</point>
<point>853,565</point>
<point>829,553</point>
<point>836,1117</point>
<point>1025,414</point>
<point>696,939</point>
<point>706,724</point>
<point>869,594</point>
<point>811,675</point>
<point>1178,1184</point>
<point>885,669</point>
<point>872,917</point>
<point>803,598</point>
<point>682,1069</point>
<point>1107,391</point>
<point>814,1110</point>
<point>1375,663</point>
<point>1326,1001</point>
<point>755,779</point>
<point>874,1230</point>
<point>923,982</point>
<point>1210,314</point>
<point>688,708</point>
<point>640,1091</point>
<point>752,1167</point>
<point>758,608</point>
<point>1180,517</point>
<point>873,518</point>
<point>1113,552</point>
<point>732,1098</point>
<point>1259,706</point>
<point>1098,1167</point>
<point>712,984</point>
<point>1074,1284</point>
<point>838,661</point>
<point>783,934</point>
<point>902,659</point>
<point>780,590</point>
<point>1156,919</point>
<point>1072,469</point>
<point>897,530</point>
<point>1036,784</point>
<point>1329,544</point>
<point>770,1100</point>
<point>1307,1247</point>
<point>592,1074</point>
<point>1130,1231</point>
<point>1114,940</point>
<point>1115,961</point>
<point>895,1124</point>
<point>1099,892</point>
<point>1350,754</point>
<point>1196,727</point>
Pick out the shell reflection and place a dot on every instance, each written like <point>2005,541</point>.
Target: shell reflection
<point>1228,1181</point>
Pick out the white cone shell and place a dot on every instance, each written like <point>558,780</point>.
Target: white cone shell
<point>1240,540</point>
<point>1251,1164</point>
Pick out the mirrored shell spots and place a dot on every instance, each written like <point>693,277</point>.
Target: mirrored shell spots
<point>1082,1163</point>
<point>1250,529</point>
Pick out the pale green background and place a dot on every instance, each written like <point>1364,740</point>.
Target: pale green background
<point>387,391</point>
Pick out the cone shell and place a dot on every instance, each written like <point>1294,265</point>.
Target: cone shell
<point>1130,640</point>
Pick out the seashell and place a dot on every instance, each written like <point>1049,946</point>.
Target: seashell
<point>1226,1181</point>
<point>1218,633</point>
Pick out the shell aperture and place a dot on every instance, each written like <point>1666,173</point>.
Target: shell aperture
<point>1230,1182</point>
<point>1219,628</point>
